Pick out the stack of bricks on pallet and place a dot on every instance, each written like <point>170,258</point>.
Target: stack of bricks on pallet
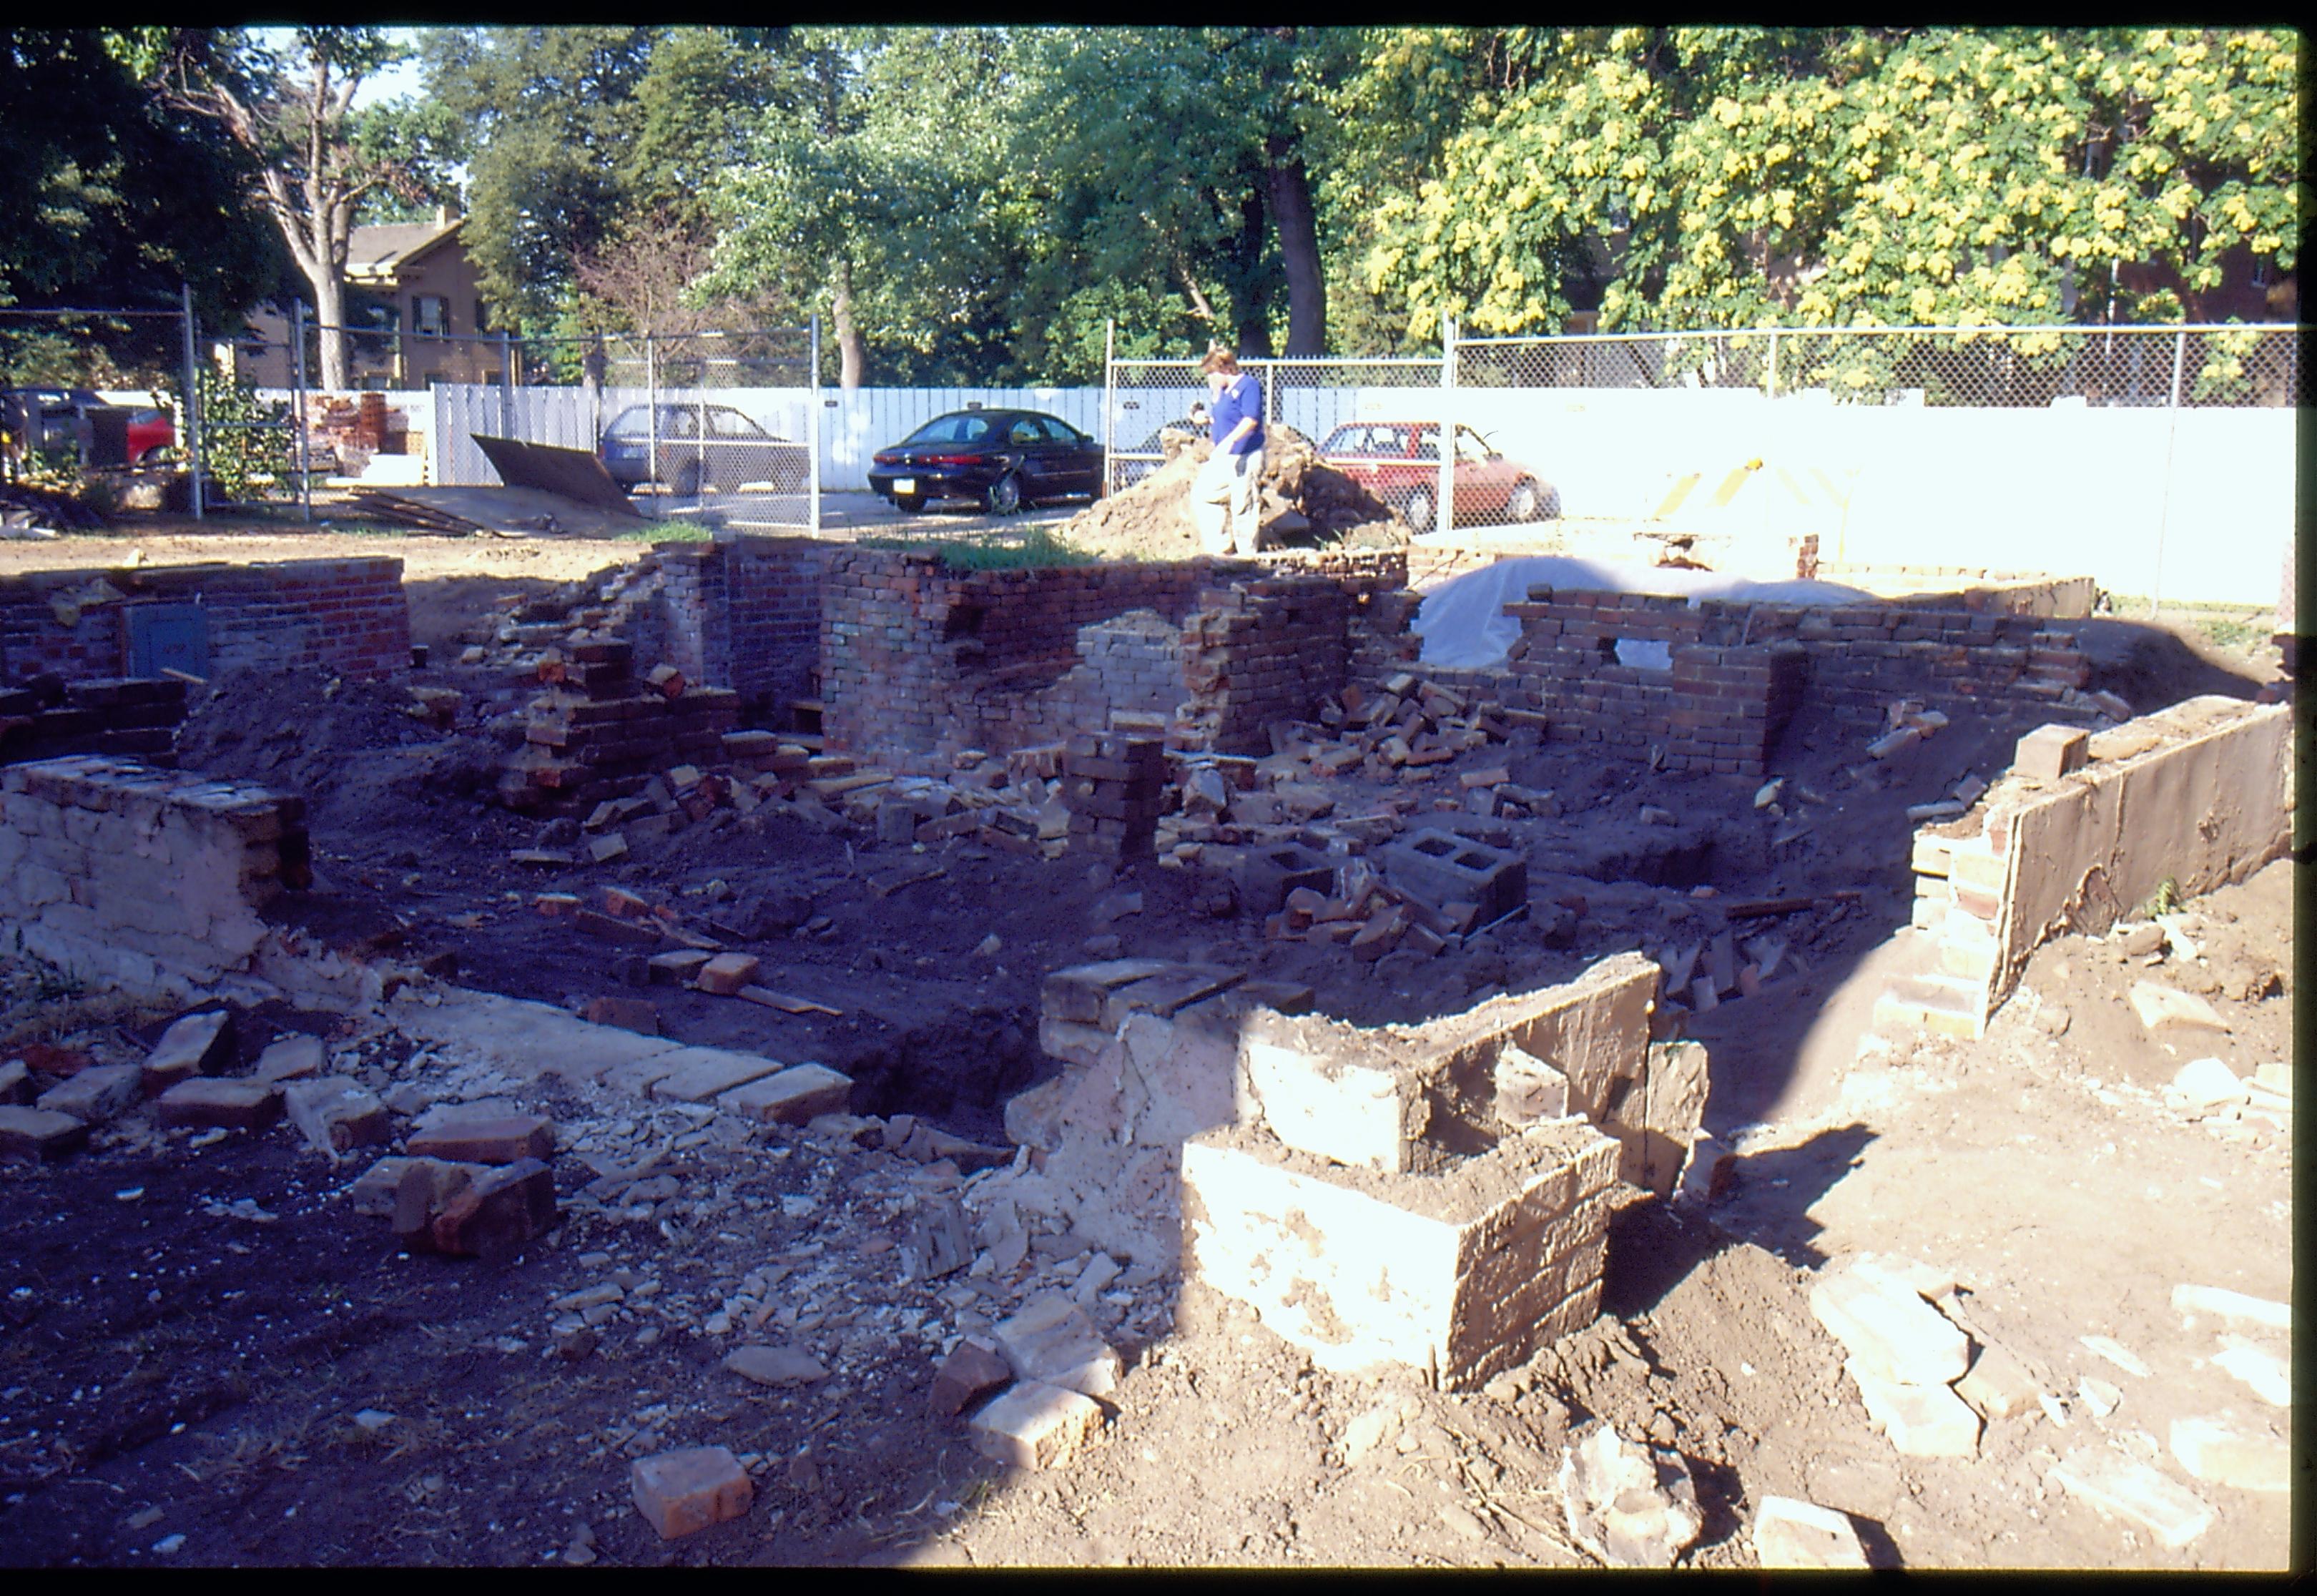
<point>126,715</point>
<point>1111,786</point>
<point>596,732</point>
<point>1436,1196</point>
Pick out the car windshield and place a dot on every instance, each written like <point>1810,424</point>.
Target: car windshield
<point>961,428</point>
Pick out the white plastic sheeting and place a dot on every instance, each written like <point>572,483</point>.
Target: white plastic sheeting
<point>1464,626</point>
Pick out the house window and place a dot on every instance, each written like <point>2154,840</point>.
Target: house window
<point>430,314</point>
<point>482,318</point>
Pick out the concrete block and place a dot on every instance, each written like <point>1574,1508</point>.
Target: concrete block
<point>206,1102</point>
<point>503,1139</point>
<point>335,1115</point>
<point>2225,1449</point>
<point>196,1045</point>
<point>1263,875</point>
<point>1052,1341</point>
<point>38,1133</point>
<point>682,1493</point>
<point>702,1072</point>
<point>1037,1426</point>
<point>1921,1420</point>
<point>2124,1488</point>
<point>1442,868</point>
<point>1791,1534</point>
<point>794,1096</point>
<point>2052,752</point>
<point>96,1096</point>
<point>1894,1333</point>
<point>1466,1272</point>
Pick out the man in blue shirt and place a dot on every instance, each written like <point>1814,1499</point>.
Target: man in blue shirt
<point>1223,498</point>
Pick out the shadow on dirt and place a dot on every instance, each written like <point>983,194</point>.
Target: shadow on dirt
<point>1774,1190</point>
<point>2151,667</point>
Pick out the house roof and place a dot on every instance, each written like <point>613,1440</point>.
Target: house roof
<point>379,254</point>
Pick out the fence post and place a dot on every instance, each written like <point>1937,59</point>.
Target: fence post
<point>651,417</point>
<point>1771,391</point>
<point>1445,513</point>
<point>193,406</point>
<point>298,406</point>
<point>506,385</point>
<point>2164,498</point>
<point>1109,395</point>
<point>813,423</point>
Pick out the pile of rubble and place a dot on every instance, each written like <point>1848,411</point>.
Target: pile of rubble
<point>1301,499</point>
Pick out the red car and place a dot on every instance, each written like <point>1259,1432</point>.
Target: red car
<point>1399,461</point>
<point>150,433</point>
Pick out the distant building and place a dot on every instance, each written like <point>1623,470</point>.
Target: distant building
<point>412,299</point>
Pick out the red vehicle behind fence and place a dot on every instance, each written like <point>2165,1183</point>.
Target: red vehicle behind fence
<point>1399,461</point>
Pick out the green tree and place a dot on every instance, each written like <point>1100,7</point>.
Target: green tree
<point>109,198</point>
<point>289,107</point>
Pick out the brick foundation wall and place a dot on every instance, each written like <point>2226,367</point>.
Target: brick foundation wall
<point>344,615</point>
<point>103,715</point>
<point>143,880</point>
<point>744,614</point>
<point>1735,673</point>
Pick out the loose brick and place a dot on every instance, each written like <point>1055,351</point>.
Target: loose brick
<point>1892,1332</point>
<point>1037,1426</point>
<point>2052,752</point>
<point>795,1096</point>
<point>196,1045</point>
<point>205,1102</point>
<point>499,1211</point>
<point>336,1116</point>
<point>2126,1488</point>
<point>375,1194</point>
<point>38,1133</point>
<point>1052,1340</point>
<point>628,1013</point>
<point>499,1141</point>
<point>727,973</point>
<point>97,1095</point>
<point>1791,1534</point>
<point>972,1370</point>
<point>1921,1420</point>
<point>677,966</point>
<point>15,1082</point>
<point>2226,1449</point>
<point>682,1493</point>
<point>290,1058</point>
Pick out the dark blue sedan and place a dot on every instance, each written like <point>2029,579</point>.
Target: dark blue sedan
<point>1003,459</point>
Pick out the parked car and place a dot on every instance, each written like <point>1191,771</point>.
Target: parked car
<point>1005,458</point>
<point>1399,461</point>
<point>698,445</point>
<point>152,435</point>
<point>1131,470</point>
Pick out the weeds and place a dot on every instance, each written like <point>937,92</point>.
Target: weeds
<point>670,531</point>
<point>2165,901</point>
<point>1034,549</point>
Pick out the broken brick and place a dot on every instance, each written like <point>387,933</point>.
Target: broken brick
<point>195,1045</point>
<point>337,1116</point>
<point>668,680</point>
<point>628,1013</point>
<point>95,1095</point>
<point>682,1493</point>
<point>38,1133</point>
<point>15,1082</point>
<point>290,1057</point>
<point>498,1213</point>
<point>1037,1426</point>
<point>205,1102</point>
<point>972,1370</point>
<point>509,1140</point>
<point>795,1096</point>
<point>727,973</point>
<point>2050,751</point>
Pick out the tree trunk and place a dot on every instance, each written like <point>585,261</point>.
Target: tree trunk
<point>330,314</point>
<point>1298,248</point>
<point>1248,307</point>
<point>851,356</point>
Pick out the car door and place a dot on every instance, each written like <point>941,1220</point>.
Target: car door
<point>1025,438</point>
<point>1482,482</point>
<point>1077,458</point>
<point>736,450</point>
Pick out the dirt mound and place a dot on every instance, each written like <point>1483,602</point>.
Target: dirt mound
<point>1303,501</point>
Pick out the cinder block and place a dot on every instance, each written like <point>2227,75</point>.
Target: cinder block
<point>1442,868</point>
<point>2052,752</point>
<point>1466,1273</point>
<point>1265,874</point>
<point>1037,1426</point>
<point>682,1493</point>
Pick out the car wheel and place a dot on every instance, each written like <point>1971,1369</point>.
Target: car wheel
<point>1523,504</point>
<point>910,503</point>
<point>686,480</point>
<point>1417,509</point>
<point>1004,495</point>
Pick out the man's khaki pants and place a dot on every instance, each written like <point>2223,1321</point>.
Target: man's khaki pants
<point>1223,503</point>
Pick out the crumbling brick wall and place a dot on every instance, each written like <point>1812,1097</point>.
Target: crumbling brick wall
<point>743,614</point>
<point>343,615</point>
<point>100,715</point>
<point>148,880</point>
<point>1710,686</point>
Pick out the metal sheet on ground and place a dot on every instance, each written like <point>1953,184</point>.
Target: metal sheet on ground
<point>572,472</point>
